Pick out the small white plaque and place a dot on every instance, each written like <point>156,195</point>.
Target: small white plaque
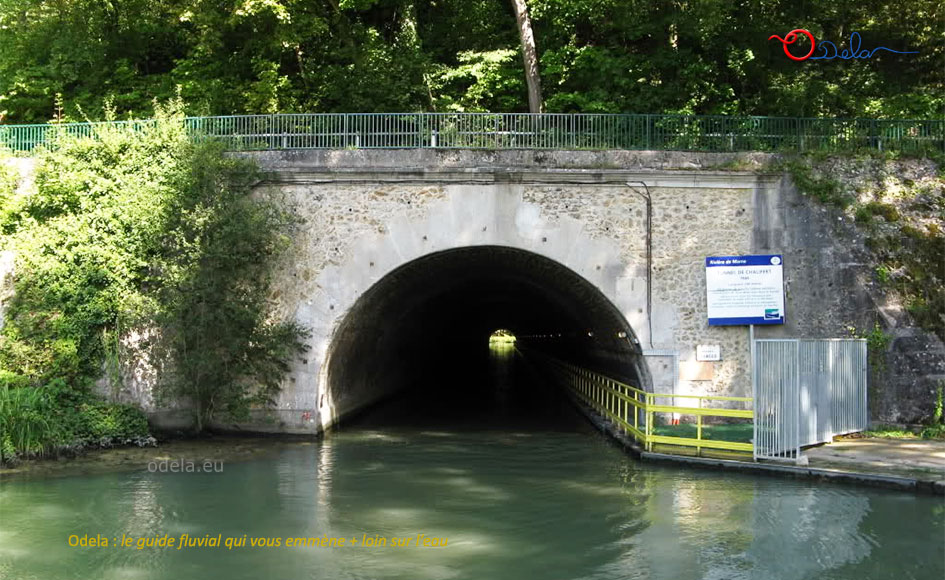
<point>708,352</point>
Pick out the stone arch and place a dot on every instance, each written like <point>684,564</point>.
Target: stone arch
<point>497,220</point>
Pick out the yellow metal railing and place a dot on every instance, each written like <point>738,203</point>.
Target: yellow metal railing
<point>634,409</point>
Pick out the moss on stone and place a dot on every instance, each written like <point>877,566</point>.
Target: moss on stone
<point>907,242</point>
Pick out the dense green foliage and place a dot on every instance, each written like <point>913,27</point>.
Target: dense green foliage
<point>217,250</point>
<point>8,185</point>
<point>140,229</point>
<point>936,427</point>
<point>24,422</point>
<point>37,420</point>
<point>634,56</point>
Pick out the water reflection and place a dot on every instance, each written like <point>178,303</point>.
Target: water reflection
<point>825,533</point>
<point>541,504</point>
<point>501,355</point>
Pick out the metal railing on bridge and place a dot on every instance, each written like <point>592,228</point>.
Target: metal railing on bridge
<point>637,411</point>
<point>496,131</point>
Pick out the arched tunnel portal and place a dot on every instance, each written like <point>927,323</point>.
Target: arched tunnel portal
<point>425,327</point>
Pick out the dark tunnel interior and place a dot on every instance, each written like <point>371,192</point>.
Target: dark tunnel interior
<point>422,333</point>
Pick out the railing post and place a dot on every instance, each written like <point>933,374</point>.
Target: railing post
<point>615,393</point>
<point>344,130</point>
<point>574,139</point>
<point>800,137</point>
<point>626,406</point>
<point>611,399</point>
<point>606,392</point>
<point>648,122</point>
<point>699,430</point>
<point>647,444</point>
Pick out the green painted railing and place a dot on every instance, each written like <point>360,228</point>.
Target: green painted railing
<point>528,131</point>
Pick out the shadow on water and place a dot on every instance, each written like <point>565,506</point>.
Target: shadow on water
<point>489,388</point>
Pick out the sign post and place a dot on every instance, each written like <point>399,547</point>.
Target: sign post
<point>751,369</point>
<point>745,290</point>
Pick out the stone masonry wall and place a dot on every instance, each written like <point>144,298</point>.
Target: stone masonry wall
<point>362,221</point>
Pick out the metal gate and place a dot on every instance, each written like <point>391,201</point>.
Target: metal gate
<point>806,391</point>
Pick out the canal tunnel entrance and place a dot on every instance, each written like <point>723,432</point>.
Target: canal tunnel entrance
<point>423,332</point>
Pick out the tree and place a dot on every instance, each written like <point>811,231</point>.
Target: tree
<point>609,56</point>
<point>529,56</point>
<point>226,355</point>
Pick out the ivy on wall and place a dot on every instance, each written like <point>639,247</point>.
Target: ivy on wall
<point>144,228</point>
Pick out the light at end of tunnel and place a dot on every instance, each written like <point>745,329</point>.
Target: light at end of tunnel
<point>501,339</point>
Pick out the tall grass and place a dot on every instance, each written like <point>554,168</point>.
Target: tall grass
<point>25,426</point>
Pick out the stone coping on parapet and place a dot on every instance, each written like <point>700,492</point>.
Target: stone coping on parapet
<point>490,176</point>
<point>505,175</point>
<point>538,158</point>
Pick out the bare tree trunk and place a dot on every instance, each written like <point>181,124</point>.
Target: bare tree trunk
<point>529,55</point>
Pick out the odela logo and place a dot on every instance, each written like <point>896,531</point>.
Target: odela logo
<point>829,49</point>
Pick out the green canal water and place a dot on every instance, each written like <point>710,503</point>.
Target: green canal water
<point>546,499</point>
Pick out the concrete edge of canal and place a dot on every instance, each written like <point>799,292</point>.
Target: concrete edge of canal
<point>917,485</point>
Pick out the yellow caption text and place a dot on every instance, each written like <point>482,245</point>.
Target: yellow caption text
<point>186,541</point>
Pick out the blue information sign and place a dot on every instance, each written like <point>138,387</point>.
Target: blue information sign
<point>744,290</point>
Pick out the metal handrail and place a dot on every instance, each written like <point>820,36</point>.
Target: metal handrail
<point>623,404</point>
<point>498,131</point>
